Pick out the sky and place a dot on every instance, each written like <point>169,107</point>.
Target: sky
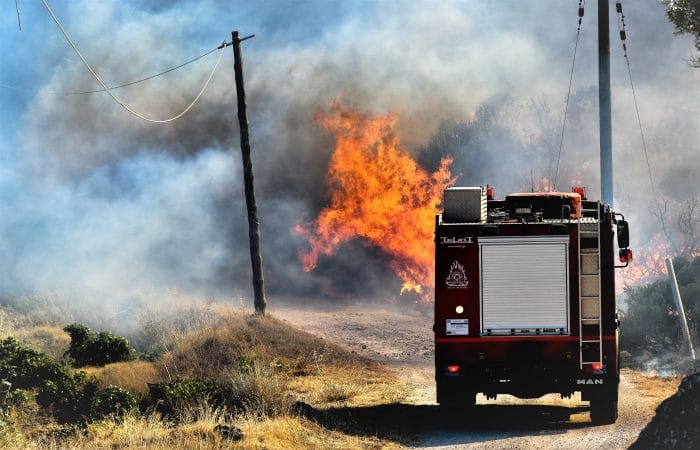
<point>99,206</point>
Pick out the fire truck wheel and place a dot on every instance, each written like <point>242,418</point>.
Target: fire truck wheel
<point>604,407</point>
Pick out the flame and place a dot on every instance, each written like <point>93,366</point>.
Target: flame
<point>543,185</point>
<point>649,262</point>
<point>380,194</point>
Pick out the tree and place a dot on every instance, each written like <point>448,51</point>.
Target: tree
<point>685,15</point>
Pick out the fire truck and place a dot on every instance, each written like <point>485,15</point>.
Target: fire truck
<point>525,297</point>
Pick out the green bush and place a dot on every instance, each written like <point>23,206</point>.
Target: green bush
<point>112,402</point>
<point>25,368</point>
<point>67,394</point>
<point>172,398</point>
<point>69,398</point>
<point>650,324</point>
<point>88,348</point>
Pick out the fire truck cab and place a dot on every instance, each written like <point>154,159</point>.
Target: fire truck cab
<point>525,297</point>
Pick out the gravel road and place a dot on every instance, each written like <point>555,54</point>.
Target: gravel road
<point>401,339</point>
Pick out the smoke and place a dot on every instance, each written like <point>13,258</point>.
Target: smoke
<point>101,206</point>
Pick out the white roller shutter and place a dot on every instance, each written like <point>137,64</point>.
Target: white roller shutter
<point>524,285</point>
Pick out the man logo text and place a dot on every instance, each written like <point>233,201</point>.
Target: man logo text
<point>589,381</point>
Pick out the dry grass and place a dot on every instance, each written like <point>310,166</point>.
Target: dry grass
<point>652,386</point>
<point>289,433</point>
<point>238,340</point>
<point>293,433</point>
<point>133,376</point>
<point>267,361</point>
<point>8,323</point>
<point>52,341</point>
<point>351,386</point>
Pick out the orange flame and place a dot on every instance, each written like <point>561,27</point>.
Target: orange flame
<point>378,193</point>
<point>649,262</point>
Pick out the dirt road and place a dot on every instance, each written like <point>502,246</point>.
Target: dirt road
<point>402,340</point>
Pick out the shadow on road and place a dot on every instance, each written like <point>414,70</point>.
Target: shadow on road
<point>429,424</point>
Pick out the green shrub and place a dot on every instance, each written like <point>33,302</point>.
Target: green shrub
<point>67,394</point>
<point>172,398</point>
<point>26,368</point>
<point>112,402</point>
<point>69,398</point>
<point>96,349</point>
<point>650,324</point>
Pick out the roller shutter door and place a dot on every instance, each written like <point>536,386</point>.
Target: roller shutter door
<point>524,285</point>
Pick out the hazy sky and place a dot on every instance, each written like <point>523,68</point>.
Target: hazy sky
<point>100,205</point>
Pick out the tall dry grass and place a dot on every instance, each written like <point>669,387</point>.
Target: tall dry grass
<point>134,376</point>
<point>261,360</point>
<point>238,340</point>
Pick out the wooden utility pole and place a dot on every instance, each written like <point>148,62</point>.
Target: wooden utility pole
<point>253,222</point>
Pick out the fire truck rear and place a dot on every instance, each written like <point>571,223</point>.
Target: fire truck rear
<point>525,298</point>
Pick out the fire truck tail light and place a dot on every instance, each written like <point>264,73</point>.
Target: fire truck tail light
<point>596,366</point>
<point>489,192</point>
<point>625,255</point>
<point>453,369</point>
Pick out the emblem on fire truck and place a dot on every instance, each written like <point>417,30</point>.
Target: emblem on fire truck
<point>457,276</point>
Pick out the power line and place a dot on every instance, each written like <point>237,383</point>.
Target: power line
<point>581,5</point>
<point>107,89</point>
<point>19,20</point>
<point>130,83</point>
<point>623,39</point>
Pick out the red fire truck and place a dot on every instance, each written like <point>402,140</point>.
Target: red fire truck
<point>525,297</point>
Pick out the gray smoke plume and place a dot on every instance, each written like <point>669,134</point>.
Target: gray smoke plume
<point>101,206</point>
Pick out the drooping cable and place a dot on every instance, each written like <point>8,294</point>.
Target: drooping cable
<point>141,80</point>
<point>623,39</point>
<point>19,19</point>
<point>107,89</point>
<point>130,83</point>
<point>581,6</point>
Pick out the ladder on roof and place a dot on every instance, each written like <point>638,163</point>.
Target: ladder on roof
<point>590,323</point>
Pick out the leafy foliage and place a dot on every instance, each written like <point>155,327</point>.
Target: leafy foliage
<point>685,15</point>
<point>67,394</point>
<point>242,392</point>
<point>651,322</point>
<point>113,402</point>
<point>88,348</point>
<point>69,397</point>
<point>172,398</point>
